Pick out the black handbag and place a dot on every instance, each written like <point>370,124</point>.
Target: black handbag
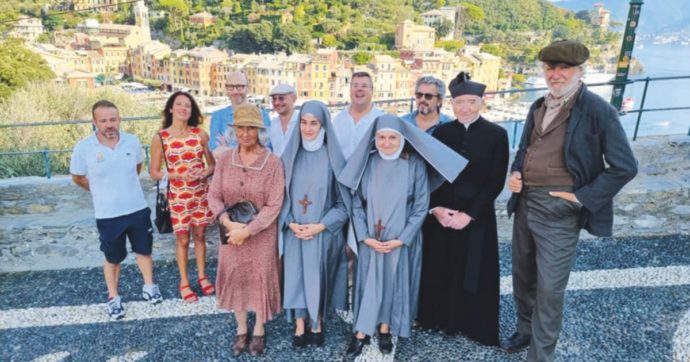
<point>242,212</point>
<point>162,220</point>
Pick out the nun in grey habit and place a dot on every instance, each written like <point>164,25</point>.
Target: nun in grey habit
<point>311,221</point>
<point>390,202</point>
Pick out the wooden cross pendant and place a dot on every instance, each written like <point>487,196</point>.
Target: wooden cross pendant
<point>305,203</point>
<point>378,228</point>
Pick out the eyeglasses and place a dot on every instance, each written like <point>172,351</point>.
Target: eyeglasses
<point>278,98</point>
<point>427,96</point>
<point>239,87</point>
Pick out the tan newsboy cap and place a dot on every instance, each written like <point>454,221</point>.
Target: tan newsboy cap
<point>248,115</point>
<point>564,51</point>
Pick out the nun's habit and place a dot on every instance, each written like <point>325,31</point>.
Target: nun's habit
<point>315,271</point>
<point>391,199</point>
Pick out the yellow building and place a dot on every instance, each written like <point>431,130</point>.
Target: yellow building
<point>409,35</point>
<point>322,66</point>
<point>146,60</point>
<point>193,70</point>
<point>483,67</point>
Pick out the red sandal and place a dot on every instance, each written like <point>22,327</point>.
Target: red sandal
<point>208,289</point>
<point>190,297</point>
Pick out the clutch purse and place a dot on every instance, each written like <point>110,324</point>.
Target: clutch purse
<point>242,212</point>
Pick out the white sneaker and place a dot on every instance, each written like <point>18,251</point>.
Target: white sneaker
<point>115,309</point>
<point>152,294</point>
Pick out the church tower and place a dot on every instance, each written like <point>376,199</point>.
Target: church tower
<point>141,19</point>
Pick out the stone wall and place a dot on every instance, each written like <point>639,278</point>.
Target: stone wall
<point>49,224</point>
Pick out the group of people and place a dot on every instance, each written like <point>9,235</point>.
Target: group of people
<point>403,207</point>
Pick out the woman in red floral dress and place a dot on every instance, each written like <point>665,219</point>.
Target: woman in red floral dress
<point>185,148</point>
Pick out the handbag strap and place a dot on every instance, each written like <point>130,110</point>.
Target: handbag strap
<point>165,159</point>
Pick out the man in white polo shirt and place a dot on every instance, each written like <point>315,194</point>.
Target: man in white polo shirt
<point>283,97</point>
<point>107,164</point>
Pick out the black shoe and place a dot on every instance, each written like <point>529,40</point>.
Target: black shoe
<point>385,343</point>
<point>315,339</point>
<point>515,343</point>
<point>356,346</point>
<point>299,341</point>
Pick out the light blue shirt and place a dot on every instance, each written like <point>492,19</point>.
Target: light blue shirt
<point>221,119</point>
<point>412,118</point>
<point>349,134</point>
<point>278,138</point>
<point>112,173</point>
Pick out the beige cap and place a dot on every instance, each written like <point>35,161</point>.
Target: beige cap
<point>248,115</point>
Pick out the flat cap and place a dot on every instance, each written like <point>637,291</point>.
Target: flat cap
<point>564,51</point>
<point>283,89</point>
<point>248,115</point>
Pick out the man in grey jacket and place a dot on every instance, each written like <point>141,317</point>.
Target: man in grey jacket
<point>573,158</point>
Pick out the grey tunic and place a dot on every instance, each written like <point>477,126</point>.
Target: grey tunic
<point>396,195</point>
<point>315,271</point>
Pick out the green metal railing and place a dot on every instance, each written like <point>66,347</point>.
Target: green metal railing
<point>513,125</point>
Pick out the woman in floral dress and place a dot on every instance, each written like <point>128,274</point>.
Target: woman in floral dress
<point>183,147</point>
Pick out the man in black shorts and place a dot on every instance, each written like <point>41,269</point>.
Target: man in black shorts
<point>107,164</point>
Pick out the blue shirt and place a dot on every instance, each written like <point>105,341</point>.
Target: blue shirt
<point>412,118</point>
<point>112,174</point>
<point>222,118</point>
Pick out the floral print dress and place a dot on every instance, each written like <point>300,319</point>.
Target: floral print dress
<point>187,199</point>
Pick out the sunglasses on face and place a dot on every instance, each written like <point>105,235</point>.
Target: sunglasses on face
<point>278,98</point>
<point>239,87</point>
<point>427,96</point>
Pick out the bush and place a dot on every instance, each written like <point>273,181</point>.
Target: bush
<point>48,102</point>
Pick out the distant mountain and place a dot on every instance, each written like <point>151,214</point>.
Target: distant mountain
<point>656,17</point>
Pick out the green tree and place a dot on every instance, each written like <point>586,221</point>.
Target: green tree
<point>300,13</point>
<point>362,58</point>
<point>252,38</point>
<point>178,10</point>
<point>330,25</point>
<point>19,66</point>
<point>53,22</point>
<point>329,40</point>
<point>494,49</point>
<point>291,38</point>
<point>450,45</point>
<point>443,27</point>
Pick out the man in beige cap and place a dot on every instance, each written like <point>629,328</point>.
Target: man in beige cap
<point>283,97</point>
<point>573,159</point>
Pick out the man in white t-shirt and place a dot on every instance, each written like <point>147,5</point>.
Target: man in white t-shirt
<point>351,123</point>
<point>283,97</point>
<point>107,164</point>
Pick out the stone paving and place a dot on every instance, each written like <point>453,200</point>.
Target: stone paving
<point>637,312</point>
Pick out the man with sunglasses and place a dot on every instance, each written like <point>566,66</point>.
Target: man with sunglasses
<point>429,93</point>
<point>283,97</point>
<point>236,88</point>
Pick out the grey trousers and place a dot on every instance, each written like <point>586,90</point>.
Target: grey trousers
<point>545,235</point>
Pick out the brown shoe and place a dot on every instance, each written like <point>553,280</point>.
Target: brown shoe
<point>256,346</point>
<point>240,344</point>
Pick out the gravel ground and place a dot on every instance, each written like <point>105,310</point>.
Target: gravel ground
<point>612,324</point>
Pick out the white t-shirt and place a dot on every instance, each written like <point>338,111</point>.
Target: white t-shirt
<point>112,174</point>
<point>349,134</point>
<point>278,138</point>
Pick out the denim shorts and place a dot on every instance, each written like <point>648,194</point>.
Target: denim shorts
<point>114,231</point>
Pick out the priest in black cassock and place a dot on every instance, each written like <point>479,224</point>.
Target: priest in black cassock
<point>459,290</point>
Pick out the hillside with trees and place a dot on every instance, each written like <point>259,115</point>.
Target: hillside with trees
<point>512,29</point>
